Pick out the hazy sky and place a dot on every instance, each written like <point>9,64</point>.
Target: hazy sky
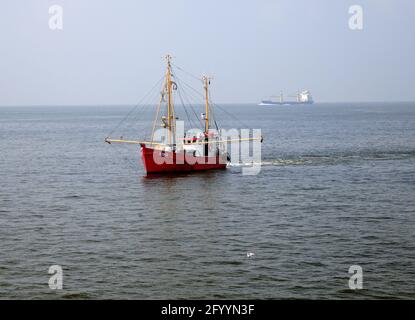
<point>111,52</point>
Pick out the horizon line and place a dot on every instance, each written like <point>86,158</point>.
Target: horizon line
<point>220,103</point>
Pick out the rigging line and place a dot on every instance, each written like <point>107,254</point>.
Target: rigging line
<point>184,107</point>
<point>213,115</point>
<point>135,120</point>
<point>216,125</point>
<point>136,106</point>
<point>151,98</point>
<point>198,108</point>
<point>202,96</point>
<point>198,102</point>
<point>212,103</point>
<point>190,106</point>
<point>112,151</point>
<point>211,107</point>
<point>191,122</point>
<point>157,106</point>
<point>195,90</point>
<point>173,127</point>
<point>230,114</point>
<point>156,118</point>
<point>186,72</point>
<point>148,102</point>
<point>188,102</point>
<point>213,112</point>
<point>193,108</point>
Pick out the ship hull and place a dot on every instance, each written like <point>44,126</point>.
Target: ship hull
<point>158,161</point>
<point>278,103</point>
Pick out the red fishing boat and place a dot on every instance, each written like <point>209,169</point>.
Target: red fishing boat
<point>178,152</point>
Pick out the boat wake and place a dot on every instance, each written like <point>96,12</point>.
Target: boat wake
<point>330,159</point>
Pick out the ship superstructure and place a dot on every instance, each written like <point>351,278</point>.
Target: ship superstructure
<point>303,97</point>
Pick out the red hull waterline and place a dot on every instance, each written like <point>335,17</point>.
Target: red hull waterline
<point>178,162</point>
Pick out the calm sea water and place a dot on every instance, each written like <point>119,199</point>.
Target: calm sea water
<point>337,188</point>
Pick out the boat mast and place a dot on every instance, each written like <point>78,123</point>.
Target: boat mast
<point>206,81</point>
<point>169,100</point>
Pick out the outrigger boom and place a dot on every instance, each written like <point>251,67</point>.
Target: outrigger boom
<point>108,140</point>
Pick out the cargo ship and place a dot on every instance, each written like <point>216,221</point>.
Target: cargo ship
<point>303,97</point>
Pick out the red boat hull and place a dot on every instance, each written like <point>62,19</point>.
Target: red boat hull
<point>158,161</point>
